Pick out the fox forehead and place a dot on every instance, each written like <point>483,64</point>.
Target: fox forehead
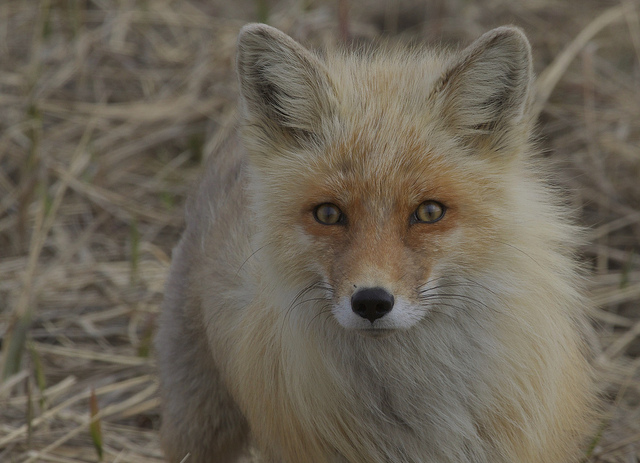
<point>360,174</point>
<point>372,165</point>
<point>396,79</point>
<point>381,145</point>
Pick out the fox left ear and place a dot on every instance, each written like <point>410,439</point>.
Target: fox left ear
<point>484,94</point>
<point>285,89</point>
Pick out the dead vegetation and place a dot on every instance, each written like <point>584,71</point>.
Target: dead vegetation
<point>106,112</point>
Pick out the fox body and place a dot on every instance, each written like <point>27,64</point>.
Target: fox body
<point>375,270</point>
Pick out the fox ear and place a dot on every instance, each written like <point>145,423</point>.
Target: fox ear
<point>285,88</point>
<point>484,95</point>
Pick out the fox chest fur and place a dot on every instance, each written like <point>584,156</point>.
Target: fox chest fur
<point>374,269</point>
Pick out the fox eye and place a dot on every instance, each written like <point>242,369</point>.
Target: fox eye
<point>429,212</point>
<point>328,214</point>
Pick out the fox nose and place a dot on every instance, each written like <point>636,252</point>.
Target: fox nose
<point>372,303</point>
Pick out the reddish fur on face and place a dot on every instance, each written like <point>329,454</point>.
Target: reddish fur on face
<point>379,239</point>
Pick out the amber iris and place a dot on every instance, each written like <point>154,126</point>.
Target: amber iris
<point>429,212</point>
<point>328,214</point>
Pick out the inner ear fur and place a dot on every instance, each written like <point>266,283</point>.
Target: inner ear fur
<point>484,94</point>
<point>285,88</point>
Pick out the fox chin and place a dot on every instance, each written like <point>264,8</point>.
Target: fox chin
<point>375,268</point>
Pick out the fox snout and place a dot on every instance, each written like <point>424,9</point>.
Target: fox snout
<point>372,303</point>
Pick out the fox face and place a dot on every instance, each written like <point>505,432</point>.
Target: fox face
<point>382,193</point>
<point>377,234</point>
<point>378,252</point>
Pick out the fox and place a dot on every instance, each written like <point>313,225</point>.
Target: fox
<point>377,268</point>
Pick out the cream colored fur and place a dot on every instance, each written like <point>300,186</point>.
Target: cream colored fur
<point>482,360</point>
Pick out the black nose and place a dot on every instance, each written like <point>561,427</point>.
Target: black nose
<point>372,303</point>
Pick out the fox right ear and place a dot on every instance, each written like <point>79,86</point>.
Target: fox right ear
<point>285,88</point>
<point>485,93</point>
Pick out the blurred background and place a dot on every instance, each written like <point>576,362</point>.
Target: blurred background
<point>108,109</point>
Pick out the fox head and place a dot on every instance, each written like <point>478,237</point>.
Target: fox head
<point>389,183</point>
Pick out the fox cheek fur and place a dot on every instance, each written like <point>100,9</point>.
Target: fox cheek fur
<point>374,269</point>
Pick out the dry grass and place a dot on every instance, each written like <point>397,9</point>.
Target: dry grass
<point>106,112</point>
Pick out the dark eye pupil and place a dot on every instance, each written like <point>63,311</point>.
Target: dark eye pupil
<point>432,210</point>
